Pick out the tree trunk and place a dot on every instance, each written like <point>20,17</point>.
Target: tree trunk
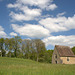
<point>10,54</point>
<point>37,57</point>
<point>1,53</point>
<point>28,56</point>
<point>15,52</point>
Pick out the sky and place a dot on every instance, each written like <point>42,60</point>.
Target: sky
<point>52,21</point>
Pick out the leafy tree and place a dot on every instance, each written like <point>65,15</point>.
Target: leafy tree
<point>26,47</point>
<point>17,43</point>
<point>11,45</point>
<point>39,47</point>
<point>31,49</point>
<point>48,56</point>
<point>20,55</point>
<point>6,41</point>
<point>73,49</point>
<point>1,45</point>
<point>3,53</point>
<point>12,54</point>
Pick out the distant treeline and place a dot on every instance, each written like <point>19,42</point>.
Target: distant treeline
<point>29,49</point>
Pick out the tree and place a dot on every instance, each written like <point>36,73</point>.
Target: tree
<point>73,49</point>
<point>26,47</point>
<point>48,56</point>
<point>39,47</point>
<point>23,48</point>
<point>3,53</point>
<point>2,45</point>
<point>17,43</point>
<point>6,41</point>
<point>11,45</point>
<point>30,49</point>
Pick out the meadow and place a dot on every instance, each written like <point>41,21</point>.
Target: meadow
<point>18,66</point>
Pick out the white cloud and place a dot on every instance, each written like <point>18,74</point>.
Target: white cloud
<point>28,14</point>
<point>16,5</point>
<point>13,34</point>
<point>31,12</point>
<point>1,28</point>
<point>60,40</point>
<point>34,31</point>
<point>40,3</point>
<point>61,14</point>
<point>2,33</point>
<point>51,7</point>
<point>20,17</point>
<point>58,24</point>
<point>27,11</point>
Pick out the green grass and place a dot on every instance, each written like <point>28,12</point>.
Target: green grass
<point>17,66</point>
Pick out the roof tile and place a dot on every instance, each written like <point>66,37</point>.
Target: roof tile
<point>64,51</point>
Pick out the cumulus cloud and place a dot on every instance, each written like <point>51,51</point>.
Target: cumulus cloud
<point>51,7</point>
<point>27,10</point>
<point>58,24</point>
<point>20,17</point>
<point>2,33</point>
<point>26,13</point>
<point>34,31</point>
<point>13,34</point>
<point>39,3</point>
<point>60,40</point>
<point>16,5</point>
<point>29,14</point>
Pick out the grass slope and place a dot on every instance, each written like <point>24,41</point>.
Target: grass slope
<point>16,66</point>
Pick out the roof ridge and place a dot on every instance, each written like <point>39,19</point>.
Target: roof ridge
<point>64,50</point>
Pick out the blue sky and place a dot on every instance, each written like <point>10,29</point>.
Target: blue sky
<point>52,21</point>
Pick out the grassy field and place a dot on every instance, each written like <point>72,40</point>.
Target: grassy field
<point>16,66</point>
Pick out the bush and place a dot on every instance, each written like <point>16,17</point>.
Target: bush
<point>20,55</point>
<point>41,59</point>
<point>3,53</point>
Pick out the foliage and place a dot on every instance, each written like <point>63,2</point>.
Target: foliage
<point>17,41</point>
<point>41,60</point>
<point>48,56</point>
<point>73,49</point>
<point>20,55</point>
<point>33,49</point>
<point>39,48</point>
<point>10,53</point>
<point>3,53</point>
<point>1,46</point>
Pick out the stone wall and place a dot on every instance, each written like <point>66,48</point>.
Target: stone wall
<point>68,60</point>
<point>54,59</point>
<point>61,60</point>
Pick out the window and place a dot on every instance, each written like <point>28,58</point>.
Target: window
<point>67,58</point>
<point>55,55</point>
<point>56,62</point>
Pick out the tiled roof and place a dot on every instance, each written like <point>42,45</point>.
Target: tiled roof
<point>64,51</point>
